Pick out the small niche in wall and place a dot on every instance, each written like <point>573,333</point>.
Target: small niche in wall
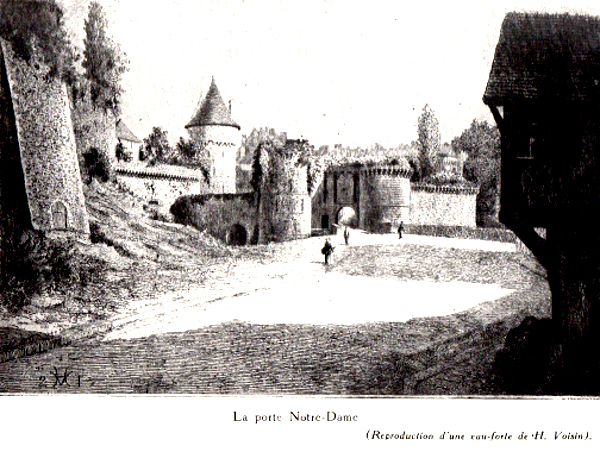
<point>59,215</point>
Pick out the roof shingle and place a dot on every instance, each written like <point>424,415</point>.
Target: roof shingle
<point>546,57</point>
<point>212,111</point>
<point>123,133</point>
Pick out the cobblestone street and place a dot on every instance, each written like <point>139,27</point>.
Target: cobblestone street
<point>296,326</point>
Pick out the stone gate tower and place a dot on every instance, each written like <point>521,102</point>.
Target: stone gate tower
<point>212,127</point>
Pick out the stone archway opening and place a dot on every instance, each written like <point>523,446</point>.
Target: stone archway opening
<point>238,236</point>
<point>59,216</point>
<point>347,217</point>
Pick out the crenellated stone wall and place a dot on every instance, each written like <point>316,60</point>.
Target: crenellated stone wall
<point>47,146</point>
<point>445,206</point>
<point>162,186</point>
<point>384,198</point>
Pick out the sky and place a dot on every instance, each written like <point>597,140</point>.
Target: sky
<point>333,72</point>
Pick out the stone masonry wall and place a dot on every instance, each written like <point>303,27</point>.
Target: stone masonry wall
<point>384,198</point>
<point>336,191</point>
<point>449,206</point>
<point>286,205</point>
<point>222,143</point>
<point>219,214</point>
<point>160,186</point>
<point>47,146</point>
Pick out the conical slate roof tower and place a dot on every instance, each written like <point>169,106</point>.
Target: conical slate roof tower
<point>212,111</point>
<point>212,128</point>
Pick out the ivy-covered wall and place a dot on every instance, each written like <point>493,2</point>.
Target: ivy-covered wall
<point>230,217</point>
<point>94,128</point>
<point>285,209</point>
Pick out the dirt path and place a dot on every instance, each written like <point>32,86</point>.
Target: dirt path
<point>304,291</point>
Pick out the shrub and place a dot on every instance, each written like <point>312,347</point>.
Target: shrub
<point>37,264</point>
<point>183,211</point>
<point>96,166</point>
<point>122,154</point>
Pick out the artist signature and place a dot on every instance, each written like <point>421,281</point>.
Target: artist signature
<point>57,377</point>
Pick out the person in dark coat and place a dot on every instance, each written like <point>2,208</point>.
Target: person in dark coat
<point>346,235</point>
<point>327,250</point>
<point>400,229</point>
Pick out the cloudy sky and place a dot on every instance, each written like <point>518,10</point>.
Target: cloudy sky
<point>349,72</point>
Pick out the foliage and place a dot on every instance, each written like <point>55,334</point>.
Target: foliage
<point>122,154</point>
<point>37,28</point>
<point>251,142</point>
<point>446,178</point>
<point>373,155</point>
<point>37,264</point>
<point>428,142</point>
<point>103,61</point>
<point>260,166</point>
<point>194,155</point>
<point>316,170</point>
<point>96,166</point>
<point>274,158</point>
<point>481,143</point>
<point>157,148</point>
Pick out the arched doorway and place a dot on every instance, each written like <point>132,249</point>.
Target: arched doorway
<point>59,216</point>
<point>347,217</point>
<point>238,236</point>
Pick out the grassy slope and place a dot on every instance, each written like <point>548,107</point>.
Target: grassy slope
<point>139,257</point>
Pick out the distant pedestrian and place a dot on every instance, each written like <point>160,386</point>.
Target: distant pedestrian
<point>346,235</point>
<point>327,250</point>
<point>400,229</point>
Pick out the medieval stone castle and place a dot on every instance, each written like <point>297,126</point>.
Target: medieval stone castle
<point>41,186</point>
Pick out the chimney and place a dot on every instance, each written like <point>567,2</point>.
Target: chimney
<point>230,100</point>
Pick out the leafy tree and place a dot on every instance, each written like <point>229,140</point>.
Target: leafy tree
<point>122,154</point>
<point>157,148</point>
<point>103,61</point>
<point>481,143</point>
<point>428,142</point>
<point>31,25</point>
<point>192,154</point>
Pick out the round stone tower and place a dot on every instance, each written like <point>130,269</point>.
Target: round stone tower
<point>285,211</point>
<point>213,129</point>
<point>384,197</point>
<point>38,148</point>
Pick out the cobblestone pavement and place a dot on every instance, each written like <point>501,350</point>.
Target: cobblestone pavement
<point>297,327</point>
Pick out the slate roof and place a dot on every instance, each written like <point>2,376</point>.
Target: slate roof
<point>123,133</point>
<point>552,57</point>
<point>212,111</point>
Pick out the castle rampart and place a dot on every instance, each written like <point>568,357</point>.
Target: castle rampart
<point>161,185</point>
<point>443,205</point>
<point>382,196</point>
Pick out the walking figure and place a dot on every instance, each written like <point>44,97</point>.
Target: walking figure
<point>346,235</point>
<point>400,229</point>
<point>327,250</point>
